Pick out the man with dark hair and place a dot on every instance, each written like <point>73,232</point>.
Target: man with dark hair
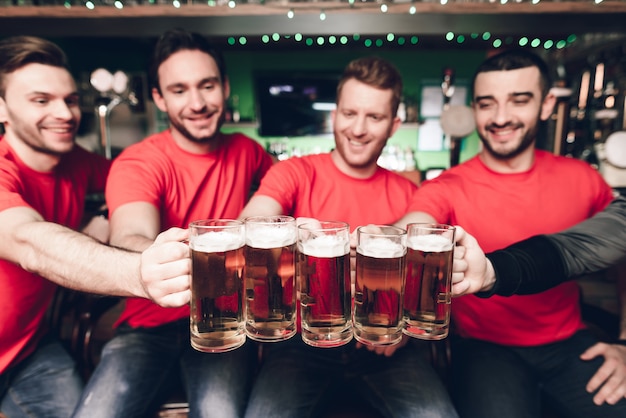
<point>44,178</point>
<point>188,172</point>
<point>511,353</point>
<point>297,380</point>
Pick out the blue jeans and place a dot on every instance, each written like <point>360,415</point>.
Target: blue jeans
<point>299,381</point>
<point>44,385</point>
<point>139,366</point>
<point>491,380</point>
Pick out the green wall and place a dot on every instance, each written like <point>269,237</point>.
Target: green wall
<point>416,66</point>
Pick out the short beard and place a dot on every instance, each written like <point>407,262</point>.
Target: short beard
<point>527,141</point>
<point>202,140</point>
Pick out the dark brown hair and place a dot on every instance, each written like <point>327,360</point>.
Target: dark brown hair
<point>19,51</point>
<point>175,40</point>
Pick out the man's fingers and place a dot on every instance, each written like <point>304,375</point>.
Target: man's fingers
<point>176,300</point>
<point>172,234</point>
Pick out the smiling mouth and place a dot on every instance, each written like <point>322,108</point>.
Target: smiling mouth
<point>66,130</point>
<point>357,144</point>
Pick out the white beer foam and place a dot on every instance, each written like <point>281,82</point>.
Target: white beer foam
<point>381,248</point>
<point>217,241</point>
<point>430,243</point>
<point>270,237</point>
<point>326,246</point>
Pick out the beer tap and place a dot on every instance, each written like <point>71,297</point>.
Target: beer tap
<point>457,121</point>
<point>113,89</point>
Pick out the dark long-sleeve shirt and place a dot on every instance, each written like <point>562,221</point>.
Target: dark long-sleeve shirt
<point>544,261</point>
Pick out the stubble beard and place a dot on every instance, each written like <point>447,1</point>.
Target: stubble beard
<point>24,135</point>
<point>528,139</point>
<point>199,140</point>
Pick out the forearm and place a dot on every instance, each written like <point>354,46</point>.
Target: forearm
<point>596,243</point>
<point>77,261</point>
<point>136,243</point>
<point>527,267</point>
<point>415,217</point>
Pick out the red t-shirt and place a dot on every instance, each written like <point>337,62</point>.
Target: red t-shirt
<point>59,196</point>
<point>501,209</point>
<point>184,187</point>
<point>313,186</point>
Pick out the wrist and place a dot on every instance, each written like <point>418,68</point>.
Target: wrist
<point>489,279</point>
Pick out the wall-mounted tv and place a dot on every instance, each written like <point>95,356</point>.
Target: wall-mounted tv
<point>295,103</point>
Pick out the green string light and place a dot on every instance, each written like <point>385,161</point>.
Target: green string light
<point>497,43</point>
<point>231,40</point>
<point>343,40</point>
<point>275,37</point>
<point>298,37</point>
<point>535,42</point>
<point>332,39</point>
<point>379,43</point>
<point>308,42</point>
<point>265,39</point>
<point>460,39</point>
<point>449,36</point>
<point>561,44</point>
<point>401,40</point>
<point>548,44</point>
<point>486,36</point>
<point>390,37</point>
<point>367,43</point>
<point>320,40</point>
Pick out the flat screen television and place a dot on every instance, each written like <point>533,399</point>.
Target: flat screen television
<point>295,104</point>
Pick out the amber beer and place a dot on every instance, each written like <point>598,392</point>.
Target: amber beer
<point>325,285</point>
<point>379,285</point>
<point>216,317</point>
<point>270,278</point>
<point>427,293</point>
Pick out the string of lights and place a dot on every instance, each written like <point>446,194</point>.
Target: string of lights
<point>292,7</point>
<point>402,40</point>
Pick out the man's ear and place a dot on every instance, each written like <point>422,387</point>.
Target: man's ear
<point>226,85</point>
<point>4,114</point>
<point>158,100</point>
<point>547,106</point>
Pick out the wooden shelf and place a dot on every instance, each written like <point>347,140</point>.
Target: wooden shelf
<point>254,19</point>
<point>281,7</point>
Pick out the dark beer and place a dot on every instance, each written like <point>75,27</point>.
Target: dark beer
<point>427,291</point>
<point>325,290</point>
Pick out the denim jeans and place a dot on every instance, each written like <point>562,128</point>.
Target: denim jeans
<point>139,366</point>
<point>44,385</point>
<point>492,381</point>
<point>299,381</point>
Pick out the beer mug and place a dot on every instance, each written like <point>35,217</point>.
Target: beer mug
<point>379,284</point>
<point>427,292</point>
<point>324,283</point>
<point>270,277</point>
<point>216,317</point>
